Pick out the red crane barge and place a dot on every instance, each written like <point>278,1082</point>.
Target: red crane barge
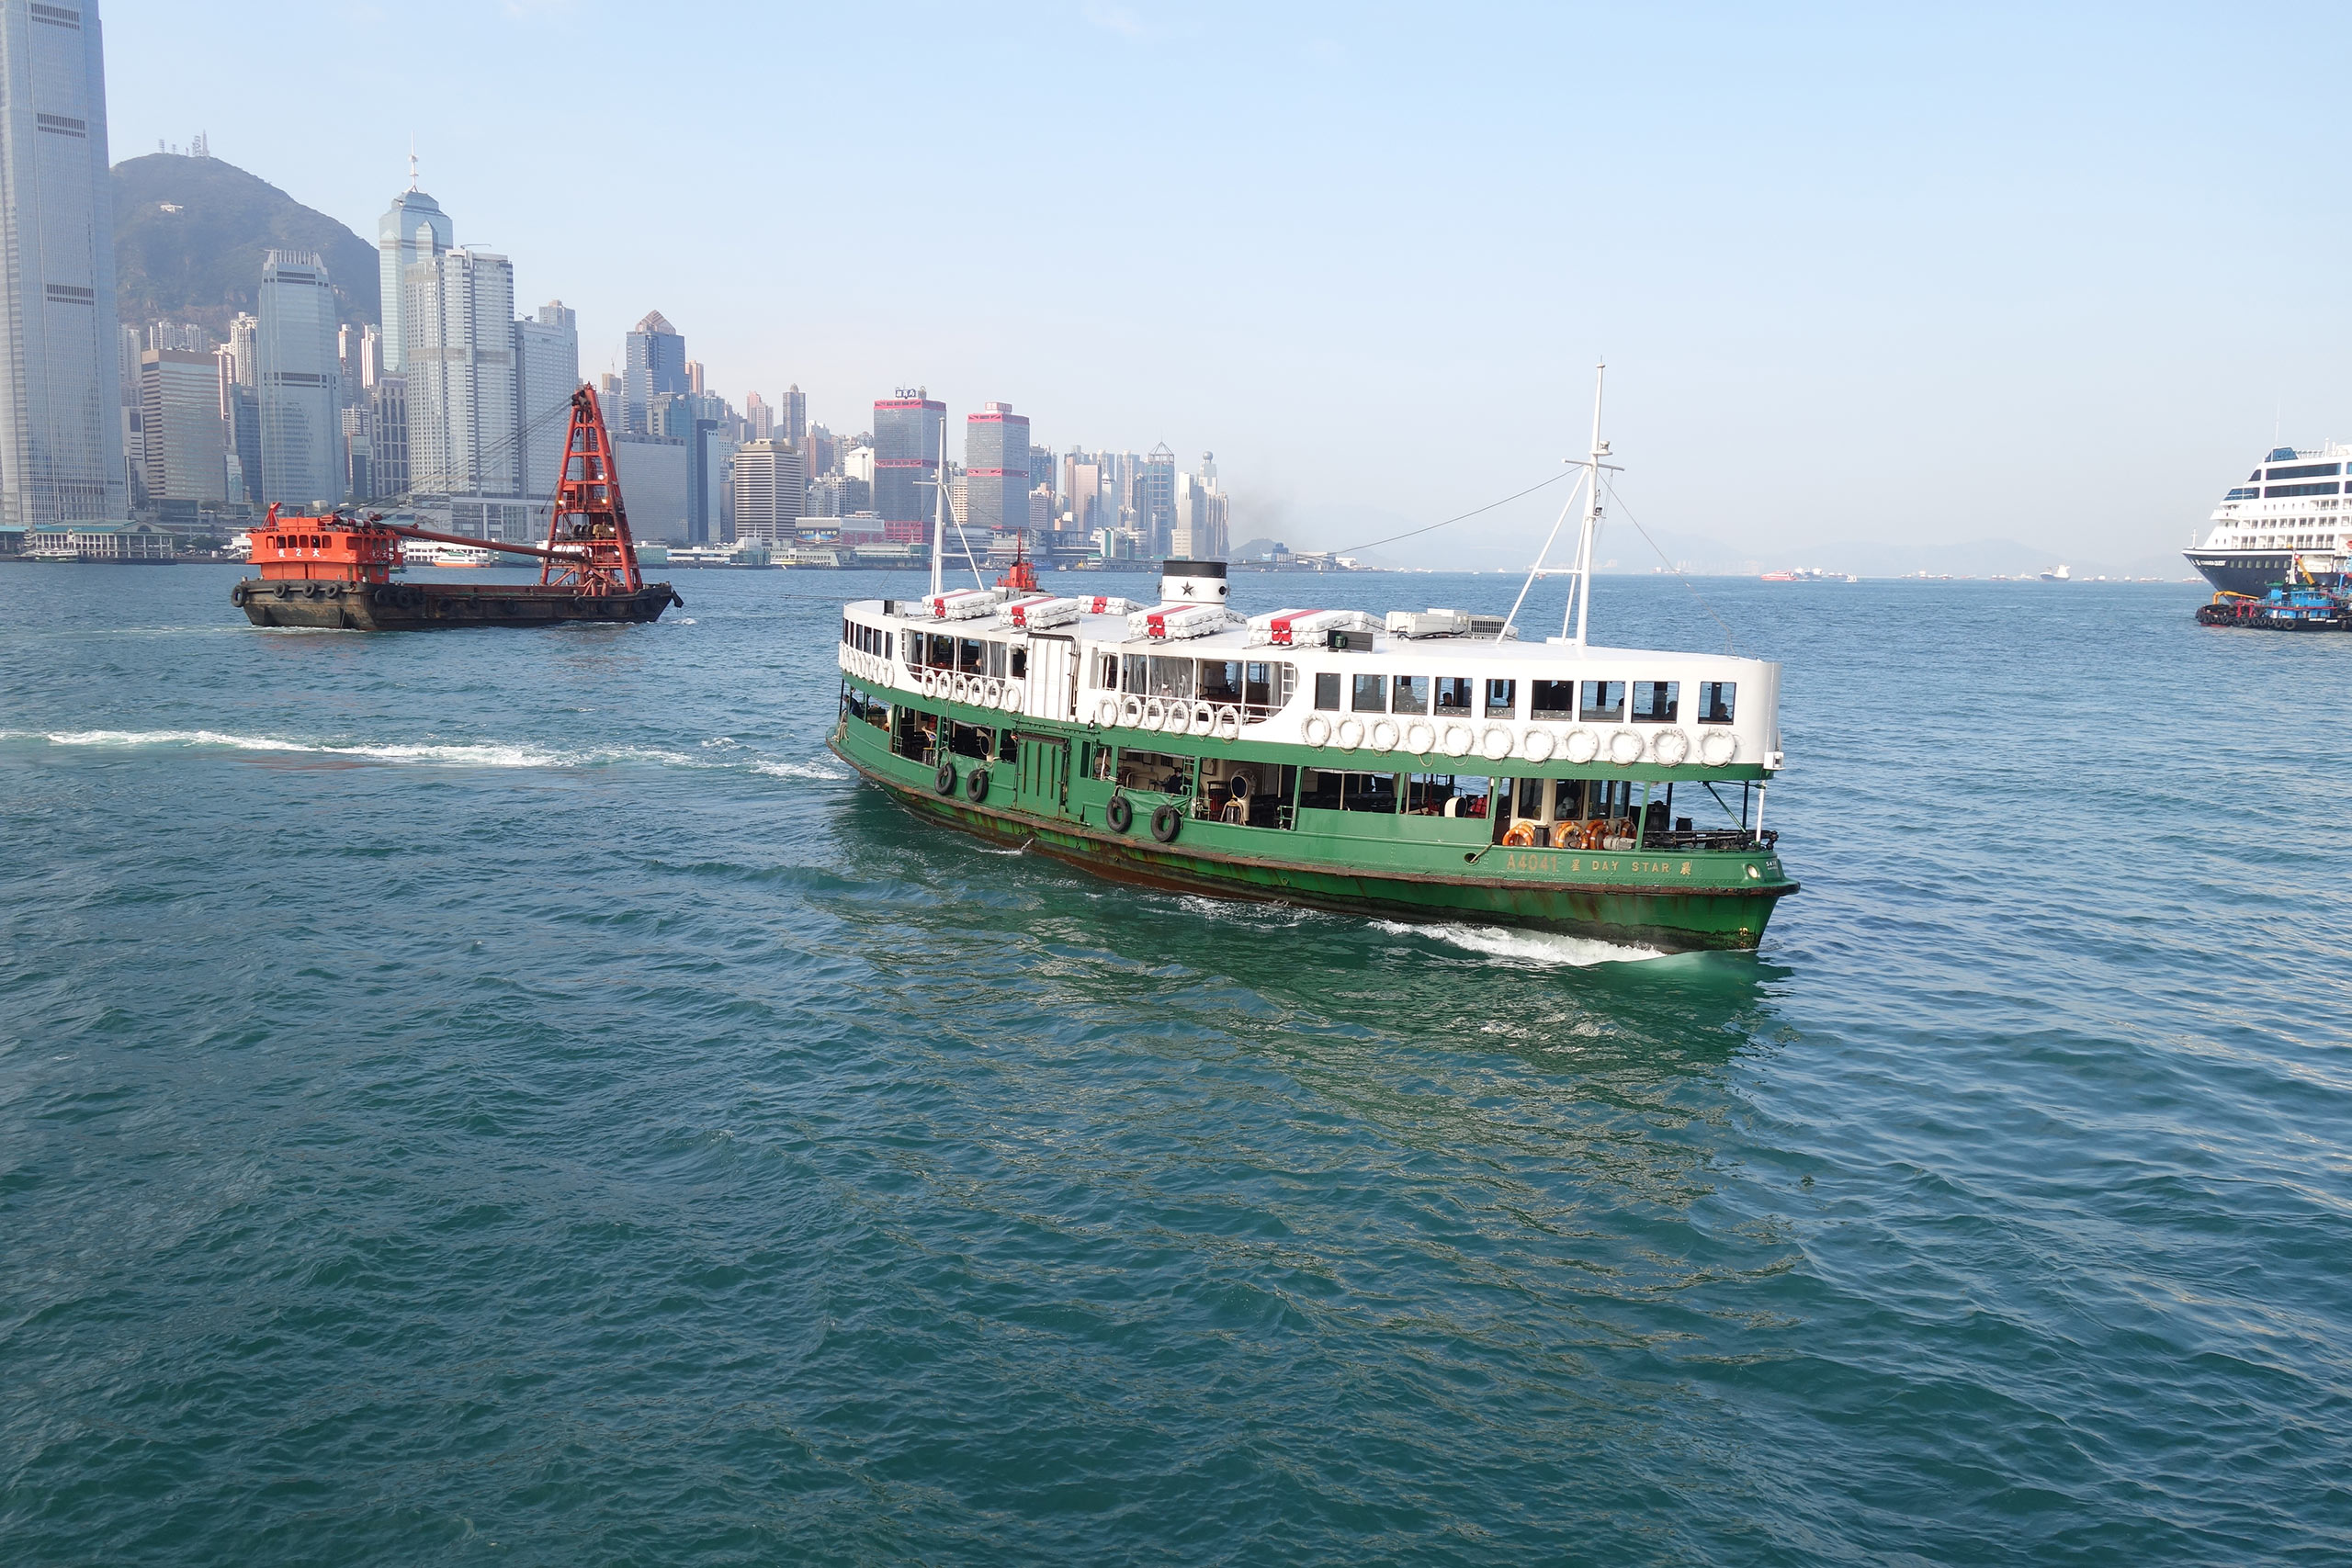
<point>335,570</point>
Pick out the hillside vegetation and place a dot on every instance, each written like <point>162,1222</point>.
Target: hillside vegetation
<point>202,263</point>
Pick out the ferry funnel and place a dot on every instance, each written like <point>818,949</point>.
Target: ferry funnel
<point>1191,582</point>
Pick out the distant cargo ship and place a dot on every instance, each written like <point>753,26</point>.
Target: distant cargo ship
<point>2289,515</point>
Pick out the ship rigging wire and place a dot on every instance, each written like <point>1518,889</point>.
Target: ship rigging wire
<point>1619,502</point>
<point>1465,517</point>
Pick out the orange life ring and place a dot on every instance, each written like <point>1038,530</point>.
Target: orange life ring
<point>1568,835</point>
<point>1595,832</point>
<point>1519,836</point>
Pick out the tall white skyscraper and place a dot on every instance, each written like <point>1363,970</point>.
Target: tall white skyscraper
<point>300,382</point>
<point>547,372</point>
<point>412,230</point>
<point>457,313</point>
<point>61,412</point>
<point>770,485</point>
<point>182,452</point>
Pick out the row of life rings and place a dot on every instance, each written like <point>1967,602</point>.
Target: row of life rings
<point>1169,716</point>
<point>976,690</point>
<point>1496,742</point>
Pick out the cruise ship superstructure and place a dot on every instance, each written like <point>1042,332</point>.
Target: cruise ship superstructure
<point>2290,514</point>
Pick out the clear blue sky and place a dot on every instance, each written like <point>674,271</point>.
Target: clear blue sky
<point>2049,273</point>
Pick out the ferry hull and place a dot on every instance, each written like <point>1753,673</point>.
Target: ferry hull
<point>422,606</point>
<point>1671,918</point>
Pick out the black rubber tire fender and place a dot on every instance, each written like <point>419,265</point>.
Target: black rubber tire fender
<point>1166,822</point>
<point>976,786</point>
<point>1120,815</point>
<point>944,780</point>
<point>239,595</point>
<point>283,589</point>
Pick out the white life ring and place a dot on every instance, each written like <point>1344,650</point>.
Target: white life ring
<point>1154,710</point>
<point>1228,723</point>
<point>1583,746</point>
<point>992,693</point>
<point>1458,740</point>
<point>1131,712</point>
<point>1420,738</point>
<point>1624,747</point>
<point>1351,734</point>
<point>1315,731</point>
<point>1536,745</point>
<point>1106,712</point>
<point>1672,747</point>
<point>1203,719</point>
<point>921,681</point>
<point>1720,747</point>
<point>1009,698</point>
<point>1384,735</point>
<point>1495,743</point>
<point>1176,720</point>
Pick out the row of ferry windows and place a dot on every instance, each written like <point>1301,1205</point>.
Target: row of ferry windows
<point>1654,702</point>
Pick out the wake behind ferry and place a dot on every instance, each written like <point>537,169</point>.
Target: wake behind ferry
<point>1419,763</point>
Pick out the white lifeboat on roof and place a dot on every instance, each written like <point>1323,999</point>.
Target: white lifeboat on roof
<point>1178,621</point>
<point>962,604</point>
<point>1306,629</point>
<point>1037,615</point>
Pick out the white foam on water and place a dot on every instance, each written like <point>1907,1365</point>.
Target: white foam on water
<point>1513,944</point>
<point>799,771</point>
<point>471,755</point>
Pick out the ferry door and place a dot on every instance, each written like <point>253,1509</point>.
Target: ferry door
<point>1052,680</point>
<point>1045,775</point>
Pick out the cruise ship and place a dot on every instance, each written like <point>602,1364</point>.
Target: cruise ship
<point>2290,514</point>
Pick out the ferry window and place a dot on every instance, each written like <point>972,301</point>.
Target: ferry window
<point>852,702</point>
<point>1156,770</point>
<point>1137,674</point>
<point>1715,701</point>
<point>1020,663</point>
<point>1657,702</point>
<point>1006,748</point>
<point>1502,699</point>
<point>877,714</point>
<point>1106,672</point>
<point>1220,680</point>
<point>1602,700</point>
<point>1370,694</point>
<point>1409,694</point>
<point>1260,684</point>
<point>912,650</point>
<point>1326,691</point>
<point>1426,794</point>
<point>943,653</point>
<point>1453,693</point>
<point>1552,699</point>
<point>1568,800</point>
<point>970,740</point>
<point>969,662</point>
<point>1171,677</point>
<point>996,659</point>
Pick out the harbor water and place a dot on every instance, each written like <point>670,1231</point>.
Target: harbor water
<point>511,1097</point>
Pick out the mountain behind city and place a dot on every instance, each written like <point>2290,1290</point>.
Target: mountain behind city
<point>189,235</point>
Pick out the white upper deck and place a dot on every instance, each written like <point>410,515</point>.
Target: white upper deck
<point>2294,499</point>
<point>1346,688</point>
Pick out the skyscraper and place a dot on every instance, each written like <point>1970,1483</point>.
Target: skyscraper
<point>300,382</point>
<point>770,482</point>
<point>1154,498</point>
<point>180,426</point>
<point>547,371</point>
<point>61,416</point>
<point>412,230</point>
<point>656,366</point>
<point>1200,531</point>
<point>996,469</point>
<point>907,431</point>
<point>759,419</point>
<point>458,309</point>
<point>793,418</point>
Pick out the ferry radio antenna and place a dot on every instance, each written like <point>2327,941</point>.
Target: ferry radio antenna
<point>1589,484</point>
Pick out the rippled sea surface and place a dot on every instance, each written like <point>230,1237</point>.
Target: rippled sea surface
<point>510,1097</point>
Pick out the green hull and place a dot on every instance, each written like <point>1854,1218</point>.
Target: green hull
<point>1410,867</point>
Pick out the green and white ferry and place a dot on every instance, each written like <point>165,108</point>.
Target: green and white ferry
<point>1419,764</point>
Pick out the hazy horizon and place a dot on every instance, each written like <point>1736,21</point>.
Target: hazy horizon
<point>1898,279</point>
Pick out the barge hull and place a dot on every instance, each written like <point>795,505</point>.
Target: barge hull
<point>328,606</point>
